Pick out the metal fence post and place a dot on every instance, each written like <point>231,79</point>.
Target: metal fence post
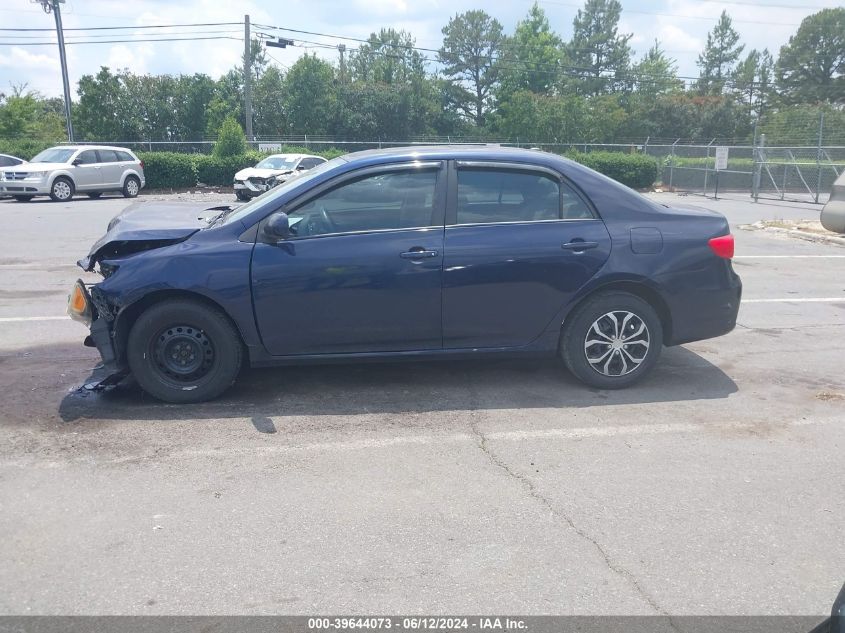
<point>758,166</point>
<point>672,165</point>
<point>819,156</point>
<point>707,167</point>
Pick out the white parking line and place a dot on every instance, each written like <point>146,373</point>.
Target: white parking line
<point>33,318</point>
<point>798,300</point>
<point>789,256</point>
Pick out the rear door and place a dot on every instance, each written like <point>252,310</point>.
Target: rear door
<point>520,241</point>
<point>110,167</point>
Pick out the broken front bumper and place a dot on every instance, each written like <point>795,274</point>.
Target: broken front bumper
<point>83,306</point>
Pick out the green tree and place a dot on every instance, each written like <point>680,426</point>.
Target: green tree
<point>811,66</point>
<point>231,140</point>
<point>471,45</point>
<point>387,57</point>
<point>25,115</point>
<point>531,57</point>
<point>103,112</point>
<point>267,103</point>
<point>655,74</point>
<point>310,96</point>
<point>720,55</point>
<point>752,81</point>
<point>598,54</point>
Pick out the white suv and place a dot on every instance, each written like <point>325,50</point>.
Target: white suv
<point>59,172</point>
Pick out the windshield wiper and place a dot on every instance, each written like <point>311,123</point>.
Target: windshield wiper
<point>225,210</point>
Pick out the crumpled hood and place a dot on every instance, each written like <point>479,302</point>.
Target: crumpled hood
<point>252,172</point>
<point>144,226</point>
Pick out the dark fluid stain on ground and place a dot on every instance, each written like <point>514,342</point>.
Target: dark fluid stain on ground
<point>263,424</point>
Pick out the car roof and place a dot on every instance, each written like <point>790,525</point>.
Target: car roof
<point>78,147</point>
<point>458,152</point>
<point>10,156</point>
<point>299,156</point>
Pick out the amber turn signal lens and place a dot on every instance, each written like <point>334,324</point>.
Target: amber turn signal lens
<point>77,300</point>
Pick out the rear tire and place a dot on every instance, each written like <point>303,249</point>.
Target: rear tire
<point>612,340</point>
<point>183,351</point>
<point>62,189</point>
<point>24,198</point>
<point>95,194</point>
<point>131,187</point>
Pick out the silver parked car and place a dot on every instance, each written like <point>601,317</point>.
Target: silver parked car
<point>59,172</point>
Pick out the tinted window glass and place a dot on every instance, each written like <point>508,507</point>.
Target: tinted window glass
<point>88,157</point>
<point>125,156</point>
<point>395,200</point>
<point>574,207</point>
<point>5,162</point>
<point>108,156</point>
<point>499,195</point>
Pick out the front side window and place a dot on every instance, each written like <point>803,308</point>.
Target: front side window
<point>503,195</point>
<point>88,157</point>
<point>394,200</point>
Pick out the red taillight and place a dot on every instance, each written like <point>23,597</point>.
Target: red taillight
<point>723,246</point>
<point>142,164</point>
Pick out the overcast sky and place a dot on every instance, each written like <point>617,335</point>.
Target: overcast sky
<point>680,25</point>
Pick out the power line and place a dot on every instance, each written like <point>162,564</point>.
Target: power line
<point>132,41</point>
<point>136,27</point>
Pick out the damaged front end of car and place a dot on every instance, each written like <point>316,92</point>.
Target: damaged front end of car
<point>106,307</point>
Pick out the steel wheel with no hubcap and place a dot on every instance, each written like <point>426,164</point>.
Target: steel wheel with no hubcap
<point>183,353</point>
<point>617,343</point>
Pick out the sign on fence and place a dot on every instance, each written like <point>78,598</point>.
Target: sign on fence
<point>721,158</point>
<point>269,147</point>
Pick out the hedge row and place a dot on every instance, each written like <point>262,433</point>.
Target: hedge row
<point>173,170</point>
<point>634,170</point>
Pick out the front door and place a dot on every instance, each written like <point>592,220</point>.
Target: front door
<point>520,244</point>
<point>86,171</point>
<point>362,269</point>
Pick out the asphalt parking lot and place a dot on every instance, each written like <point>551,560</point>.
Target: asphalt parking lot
<point>715,487</point>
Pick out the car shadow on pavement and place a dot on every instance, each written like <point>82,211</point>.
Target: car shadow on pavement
<point>407,387</point>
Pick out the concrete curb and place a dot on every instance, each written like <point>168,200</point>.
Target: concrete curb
<point>801,235</point>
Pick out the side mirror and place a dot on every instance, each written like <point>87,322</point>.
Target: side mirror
<point>277,227</point>
<point>76,162</point>
<point>300,168</point>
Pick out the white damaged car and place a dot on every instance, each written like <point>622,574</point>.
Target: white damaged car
<point>272,171</point>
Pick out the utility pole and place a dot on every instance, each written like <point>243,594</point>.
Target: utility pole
<point>341,48</point>
<point>48,6</point>
<point>247,80</point>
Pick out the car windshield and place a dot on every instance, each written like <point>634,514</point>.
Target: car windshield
<point>276,192</point>
<point>54,155</point>
<point>278,162</point>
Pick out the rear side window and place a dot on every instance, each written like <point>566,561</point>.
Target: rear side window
<point>124,156</point>
<point>502,195</point>
<point>107,156</point>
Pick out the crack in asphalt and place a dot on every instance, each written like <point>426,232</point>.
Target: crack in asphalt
<point>531,488</point>
<point>532,491</point>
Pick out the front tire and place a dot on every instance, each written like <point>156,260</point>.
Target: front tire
<point>183,351</point>
<point>62,189</point>
<point>131,187</point>
<point>612,340</point>
<point>240,195</point>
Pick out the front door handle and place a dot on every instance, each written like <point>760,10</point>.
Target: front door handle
<point>578,245</point>
<point>418,253</point>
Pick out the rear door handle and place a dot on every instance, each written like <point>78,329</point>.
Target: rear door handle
<point>418,253</point>
<point>578,245</point>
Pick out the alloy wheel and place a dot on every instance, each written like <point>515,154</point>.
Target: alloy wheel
<point>617,343</point>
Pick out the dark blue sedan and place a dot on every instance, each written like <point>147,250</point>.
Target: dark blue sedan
<point>410,253</point>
